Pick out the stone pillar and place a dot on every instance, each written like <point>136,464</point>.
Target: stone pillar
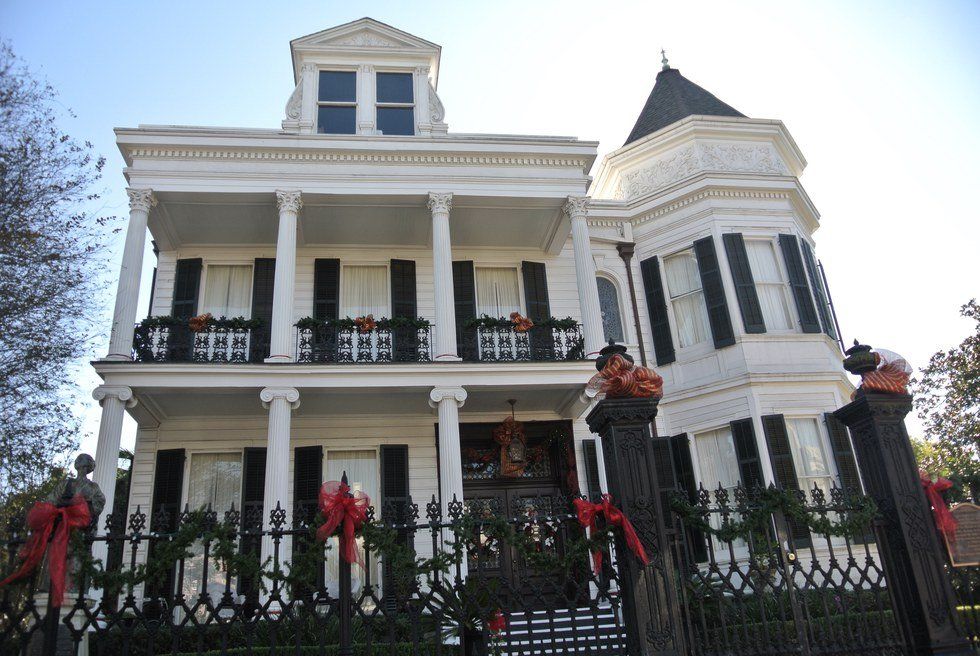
<point>908,543</point>
<point>281,346</point>
<point>280,402</point>
<point>114,400</point>
<point>128,290</point>
<point>442,265</point>
<point>576,207</point>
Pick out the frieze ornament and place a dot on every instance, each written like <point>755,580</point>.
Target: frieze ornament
<point>440,203</point>
<point>289,201</point>
<point>365,39</point>
<point>141,199</point>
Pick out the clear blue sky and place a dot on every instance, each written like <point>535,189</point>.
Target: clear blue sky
<point>882,97</point>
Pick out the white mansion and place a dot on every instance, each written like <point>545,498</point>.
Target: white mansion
<point>692,246</point>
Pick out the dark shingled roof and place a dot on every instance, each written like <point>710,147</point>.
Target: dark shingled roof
<point>675,97</point>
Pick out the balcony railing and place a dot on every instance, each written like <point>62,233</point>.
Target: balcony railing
<point>541,343</point>
<point>345,345</point>
<point>156,342</point>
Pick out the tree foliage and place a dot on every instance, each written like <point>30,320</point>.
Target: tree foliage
<point>948,402</point>
<point>52,258</point>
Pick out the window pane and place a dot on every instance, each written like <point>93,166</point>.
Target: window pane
<point>215,479</point>
<point>396,120</point>
<point>769,284</point>
<point>804,436</point>
<point>228,291</point>
<point>682,274</point>
<point>365,291</point>
<point>336,120</point>
<point>612,322</point>
<point>395,88</point>
<point>497,293</point>
<point>762,259</point>
<point>691,317</point>
<point>338,86</point>
<point>717,461</point>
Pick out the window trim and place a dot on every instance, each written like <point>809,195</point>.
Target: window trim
<point>794,321</point>
<point>203,285</point>
<point>701,347</point>
<point>333,103</point>
<point>382,105</point>
<point>520,285</point>
<point>341,307</point>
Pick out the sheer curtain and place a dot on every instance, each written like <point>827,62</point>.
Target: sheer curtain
<point>718,465</point>
<point>365,291</point>
<point>687,299</point>
<point>362,476</point>
<point>497,293</point>
<point>769,284</point>
<point>809,456</point>
<point>216,479</point>
<point>228,290</point>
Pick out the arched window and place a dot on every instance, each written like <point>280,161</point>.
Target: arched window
<point>612,320</point>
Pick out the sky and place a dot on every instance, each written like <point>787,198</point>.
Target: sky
<point>883,98</point>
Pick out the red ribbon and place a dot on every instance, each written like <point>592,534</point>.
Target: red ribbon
<point>342,510</point>
<point>588,513</point>
<point>945,521</point>
<point>41,520</point>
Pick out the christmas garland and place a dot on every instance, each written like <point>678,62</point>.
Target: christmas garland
<point>233,323</point>
<point>486,321</point>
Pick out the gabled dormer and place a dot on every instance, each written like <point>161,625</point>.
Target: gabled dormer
<point>365,78</point>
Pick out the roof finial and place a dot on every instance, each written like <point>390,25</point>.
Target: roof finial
<point>664,61</point>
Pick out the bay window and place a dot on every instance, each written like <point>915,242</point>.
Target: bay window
<point>395,103</point>
<point>228,290</point>
<point>770,285</point>
<point>687,298</point>
<point>365,290</point>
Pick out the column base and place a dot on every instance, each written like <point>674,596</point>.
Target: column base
<point>117,357</point>
<point>448,358</point>
<point>272,359</point>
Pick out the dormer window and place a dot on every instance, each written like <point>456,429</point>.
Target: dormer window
<point>337,103</point>
<point>396,103</point>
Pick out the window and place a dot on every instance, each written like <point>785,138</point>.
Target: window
<point>612,320</point>
<point>396,103</point>
<point>769,284</point>
<point>686,298</point>
<point>717,460</point>
<point>809,456</point>
<point>497,292</point>
<point>215,480</point>
<point>365,291</point>
<point>228,291</point>
<point>337,102</point>
<point>361,468</point>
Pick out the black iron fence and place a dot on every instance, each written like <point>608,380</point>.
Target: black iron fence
<point>506,344</point>
<point>179,343</point>
<point>345,345</point>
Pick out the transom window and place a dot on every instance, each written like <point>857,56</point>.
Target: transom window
<point>364,290</point>
<point>612,320</point>
<point>337,102</point>
<point>396,103</point>
<point>809,457</point>
<point>497,292</point>
<point>771,287</point>
<point>686,298</point>
<point>228,290</point>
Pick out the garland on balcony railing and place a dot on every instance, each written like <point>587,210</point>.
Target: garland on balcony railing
<point>486,321</point>
<point>350,323</point>
<point>205,321</point>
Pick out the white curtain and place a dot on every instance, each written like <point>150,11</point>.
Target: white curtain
<point>365,291</point>
<point>809,456</point>
<point>717,461</point>
<point>362,476</point>
<point>769,284</point>
<point>497,293</point>
<point>687,299</point>
<point>228,290</point>
<point>216,479</point>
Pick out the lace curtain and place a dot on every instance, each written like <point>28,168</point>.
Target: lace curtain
<point>769,284</point>
<point>228,291</point>
<point>365,291</point>
<point>687,299</point>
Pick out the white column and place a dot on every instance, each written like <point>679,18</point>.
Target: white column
<point>442,265</point>
<point>576,207</point>
<point>281,346</point>
<point>448,401</point>
<point>114,400</point>
<point>128,291</point>
<point>280,402</point>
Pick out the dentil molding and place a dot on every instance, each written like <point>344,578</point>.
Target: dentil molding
<point>141,199</point>
<point>442,393</point>
<point>289,201</point>
<point>440,202</point>
<point>289,394</point>
<point>120,392</point>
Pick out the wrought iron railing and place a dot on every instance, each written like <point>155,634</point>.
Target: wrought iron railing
<point>334,344</point>
<point>506,344</point>
<point>178,343</point>
<point>202,599</point>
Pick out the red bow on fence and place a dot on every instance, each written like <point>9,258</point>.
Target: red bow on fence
<point>945,521</point>
<point>342,509</point>
<point>588,513</point>
<point>41,520</point>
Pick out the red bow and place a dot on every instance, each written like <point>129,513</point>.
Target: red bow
<point>497,622</point>
<point>945,521</point>
<point>342,509</point>
<point>588,513</point>
<point>41,519</point>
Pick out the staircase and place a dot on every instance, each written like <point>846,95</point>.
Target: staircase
<point>581,631</point>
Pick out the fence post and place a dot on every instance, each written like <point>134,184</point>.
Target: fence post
<point>651,610</point>
<point>907,540</point>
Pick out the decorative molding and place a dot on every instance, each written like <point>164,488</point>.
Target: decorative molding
<point>289,201</point>
<point>440,202</point>
<point>309,67</point>
<point>141,199</point>
<point>437,113</point>
<point>712,193</point>
<point>365,39</point>
<point>697,157</point>
<point>439,394</point>
<point>576,206</point>
<point>295,103</point>
<point>289,394</point>
<point>121,392</point>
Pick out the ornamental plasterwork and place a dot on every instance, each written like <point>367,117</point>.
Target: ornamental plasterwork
<point>289,201</point>
<point>440,202</point>
<point>436,111</point>
<point>295,102</point>
<point>141,199</point>
<point>695,158</point>
<point>365,39</point>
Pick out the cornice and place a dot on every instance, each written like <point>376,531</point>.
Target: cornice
<point>709,193</point>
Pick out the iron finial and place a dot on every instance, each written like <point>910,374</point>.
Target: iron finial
<point>663,60</point>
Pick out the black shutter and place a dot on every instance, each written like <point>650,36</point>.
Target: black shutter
<point>307,474</point>
<point>714,293</point>
<point>404,340</point>
<point>747,452</point>
<point>263,288</point>
<point>663,344</point>
<point>663,462</point>
<point>816,283</point>
<point>187,282</point>
<point>541,340</point>
<point>592,487</point>
<point>840,442</point>
<point>783,469</point>
<point>326,288</point>
<point>748,298</point>
<point>168,487</point>
<point>684,473</point>
<point>464,293</point>
<point>153,289</point>
<point>253,494</point>
<point>395,497</point>
<point>797,280</point>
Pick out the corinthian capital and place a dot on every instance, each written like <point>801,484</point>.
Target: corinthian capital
<point>141,199</point>
<point>289,394</point>
<point>120,392</point>
<point>440,202</point>
<point>289,201</point>
<point>438,394</point>
<point>576,206</point>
